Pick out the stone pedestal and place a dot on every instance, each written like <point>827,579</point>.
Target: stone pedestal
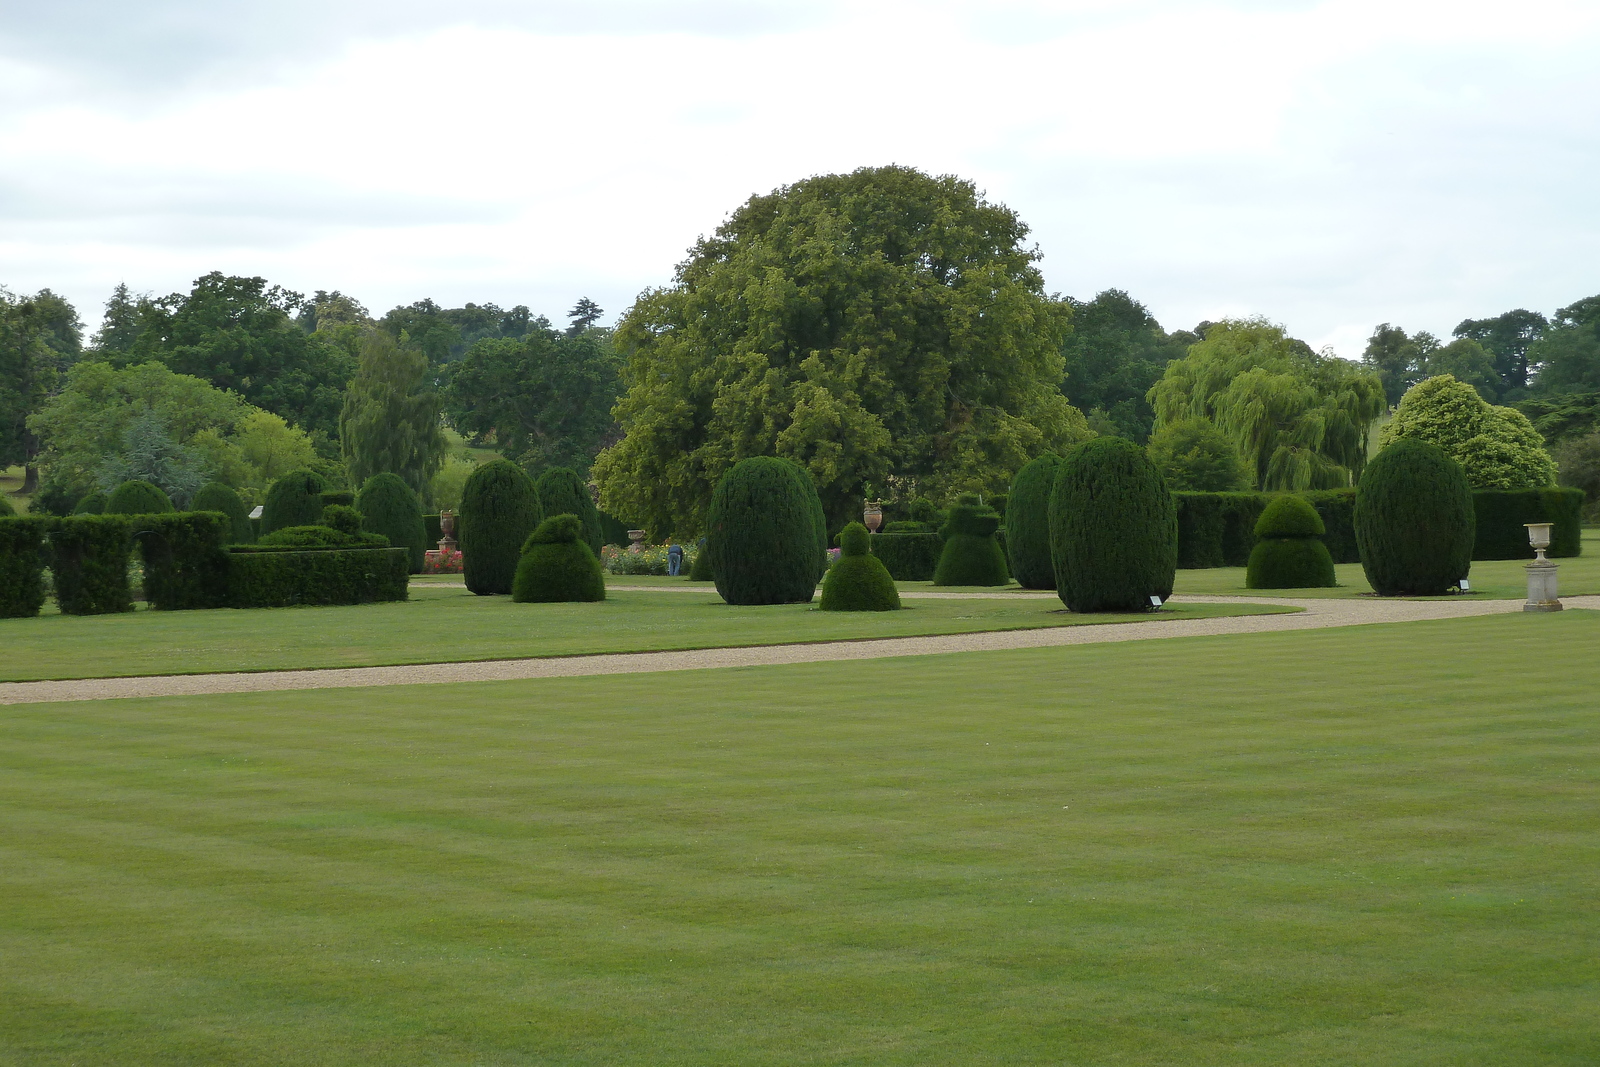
<point>1542,586</point>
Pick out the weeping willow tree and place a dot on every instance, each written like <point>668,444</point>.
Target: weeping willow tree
<point>1299,419</point>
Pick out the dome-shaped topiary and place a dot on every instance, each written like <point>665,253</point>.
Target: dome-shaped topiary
<point>390,507</point>
<point>762,536</point>
<point>1289,554</point>
<point>1028,523</point>
<point>700,569</point>
<point>294,500</point>
<point>858,580</point>
<point>971,555</point>
<point>343,518</point>
<point>499,509</point>
<point>557,566</point>
<point>219,497</point>
<point>1113,528</point>
<point>1414,520</point>
<point>93,504</point>
<point>138,497</point>
<point>562,492</point>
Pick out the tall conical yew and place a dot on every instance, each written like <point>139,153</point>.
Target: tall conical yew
<point>762,538</point>
<point>294,500</point>
<point>1414,520</point>
<point>388,506</point>
<point>219,497</point>
<point>1113,528</point>
<point>499,509</point>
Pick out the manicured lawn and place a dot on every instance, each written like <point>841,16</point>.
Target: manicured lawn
<point>1373,845</point>
<point>445,624</point>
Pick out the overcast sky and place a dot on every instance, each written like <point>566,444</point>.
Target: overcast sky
<point>1329,165</point>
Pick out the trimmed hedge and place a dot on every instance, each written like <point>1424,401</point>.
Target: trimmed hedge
<point>22,566</point>
<point>219,497</point>
<point>6,510</point>
<point>89,563</point>
<point>260,578</point>
<point>971,555</point>
<point>390,507</point>
<point>345,498</point>
<point>909,557</point>
<point>562,492</point>
<point>319,536</point>
<point>819,517</point>
<point>1414,520</point>
<point>762,536</point>
<point>93,504</point>
<point>1289,554</point>
<point>499,509</point>
<point>432,531</point>
<point>557,565</point>
<point>138,497</point>
<point>1027,519</point>
<point>1502,513</point>
<point>613,531</point>
<point>1218,529</point>
<point>1113,528</point>
<point>185,559</point>
<point>294,500</point>
<point>858,581</point>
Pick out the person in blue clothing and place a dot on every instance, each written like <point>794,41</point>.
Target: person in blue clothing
<point>674,560</point>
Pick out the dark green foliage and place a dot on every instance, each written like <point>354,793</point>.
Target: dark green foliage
<point>909,557</point>
<point>1289,554</point>
<point>557,565</point>
<point>613,531</point>
<point>345,520</point>
<point>1218,529</point>
<point>499,509</point>
<point>700,569</point>
<point>1337,509</point>
<point>6,510</point>
<point>342,497</point>
<point>138,498</point>
<point>763,534</point>
<point>1414,520</point>
<point>389,507</point>
<point>319,536</point>
<point>1113,528</point>
<point>433,532</point>
<point>819,519</point>
<point>1028,523</point>
<point>268,579</point>
<point>1501,515</point>
<point>22,566</point>
<point>92,504</point>
<point>219,497</point>
<point>921,510</point>
<point>294,500</point>
<point>562,492</point>
<point>1289,516</point>
<point>185,559</point>
<point>971,554</point>
<point>89,562</point>
<point>858,581</point>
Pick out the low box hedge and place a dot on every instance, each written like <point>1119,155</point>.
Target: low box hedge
<point>909,557</point>
<point>89,561</point>
<point>264,578</point>
<point>1502,514</point>
<point>22,566</point>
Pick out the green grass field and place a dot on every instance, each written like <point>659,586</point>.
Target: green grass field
<point>1374,845</point>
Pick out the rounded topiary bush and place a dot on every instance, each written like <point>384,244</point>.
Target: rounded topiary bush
<point>390,507</point>
<point>762,534</point>
<point>499,509</point>
<point>343,518</point>
<point>219,497</point>
<point>1414,520</point>
<point>1290,553</point>
<point>93,504</point>
<point>562,492</point>
<point>1113,528</point>
<point>819,517</point>
<point>138,497</point>
<point>700,569</point>
<point>6,510</point>
<point>294,500</point>
<point>858,580</point>
<point>971,555</point>
<point>1028,523</point>
<point>557,565</point>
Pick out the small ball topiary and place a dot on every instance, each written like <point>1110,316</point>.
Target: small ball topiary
<point>1113,528</point>
<point>858,580</point>
<point>971,555</point>
<point>390,507</point>
<point>219,497</point>
<point>1028,523</point>
<point>138,497</point>
<point>93,504</point>
<point>1289,554</point>
<point>557,566</point>
<point>762,534</point>
<point>342,518</point>
<point>562,492</point>
<point>1414,520</point>
<point>294,500</point>
<point>499,509</point>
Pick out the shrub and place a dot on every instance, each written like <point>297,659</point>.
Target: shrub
<point>1028,523</point>
<point>388,506</point>
<point>21,567</point>
<point>345,520</point>
<point>185,559</point>
<point>1289,554</point>
<point>819,518</point>
<point>1579,461</point>
<point>260,578</point>
<point>971,554</point>
<point>93,504</point>
<point>499,509</point>
<point>1500,516</point>
<point>89,564</point>
<point>1218,529</point>
<point>909,557</point>
<point>700,569</point>
<point>1414,520</point>
<point>344,498</point>
<point>1193,455</point>
<point>1113,528</point>
<point>858,581</point>
<point>1498,447</point>
<point>557,565</point>
<point>763,534</point>
<point>219,497</point>
<point>294,500</point>
<point>562,492</point>
<point>6,510</point>
<point>320,536</point>
<point>138,497</point>
<point>1337,509</point>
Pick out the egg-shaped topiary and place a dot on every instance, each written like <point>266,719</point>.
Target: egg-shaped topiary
<point>1414,520</point>
<point>971,554</point>
<point>138,497</point>
<point>1290,553</point>
<point>562,492</point>
<point>92,504</point>
<point>219,497</point>
<point>1113,528</point>
<point>557,565</point>
<point>293,500</point>
<point>390,507</point>
<point>762,534</point>
<point>499,509</point>
<point>858,580</point>
<point>1027,520</point>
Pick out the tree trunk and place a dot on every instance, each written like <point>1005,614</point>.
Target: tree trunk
<point>30,479</point>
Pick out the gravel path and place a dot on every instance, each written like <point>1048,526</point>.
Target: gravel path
<point>1317,614</point>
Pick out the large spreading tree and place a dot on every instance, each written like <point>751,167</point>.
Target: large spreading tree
<point>390,422</point>
<point>886,329</point>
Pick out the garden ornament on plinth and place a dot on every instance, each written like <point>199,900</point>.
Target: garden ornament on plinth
<point>1541,572</point>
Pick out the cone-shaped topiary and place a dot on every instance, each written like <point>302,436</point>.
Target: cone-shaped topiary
<point>562,492</point>
<point>1028,523</point>
<point>762,536</point>
<point>294,500</point>
<point>557,565</point>
<point>218,497</point>
<point>1113,528</point>
<point>1414,520</point>
<point>390,507</point>
<point>858,580</point>
<point>93,504</point>
<point>138,497</point>
<point>971,555</point>
<point>499,509</point>
<point>1290,553</point>
<point>700,569</point>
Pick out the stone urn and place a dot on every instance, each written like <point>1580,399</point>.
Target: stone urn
<point>872,515</point>
<point>637,539</point>
<point>1543,594</point>
<point>447,530</point>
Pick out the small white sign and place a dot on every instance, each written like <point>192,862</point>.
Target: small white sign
<point>1155,602</point>
<point>255,513</point>
<point>1465,585</point>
